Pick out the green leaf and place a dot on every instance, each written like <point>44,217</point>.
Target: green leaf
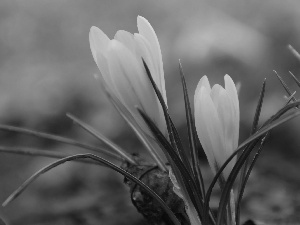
<point>182,153</point>
<point>58,139</point>
<point>249,143</point>
<point>247,175</point>
<point>36,153</point>
<point>102,138</point>
<point>269,125</point>
<point>253,130</point>
<point>101,161</point>
<point>171,154</point>
<point>294,52</point>
<point>295,79</point>
<point>213,183</point>
<point>164,106</point>
<point>286,88</point>
<point>192,134</point>
<point>2,222</point>
<point>127,116</point>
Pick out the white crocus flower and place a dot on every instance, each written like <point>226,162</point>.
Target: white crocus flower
<point>120,63</point>
<point>217,117</point>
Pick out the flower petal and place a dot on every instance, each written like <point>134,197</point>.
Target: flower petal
<point>208,126</point>
<point>126,38</point>
<point>232,92</point>
<point>202,83</point>
<point>225,109</point>
<point>131,82</point>
<point>144,51</point>
<point>98,41</point>
<point>146,30</point>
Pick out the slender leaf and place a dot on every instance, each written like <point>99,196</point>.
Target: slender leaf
<point>174,145</point>
<point>213,183</point>
<point>258,108</point>
<point>294,52</point>
<point>101,161</point>
<point>171,154</point>
<point>36,152</point>
<point>2,221</point>
<point>243,185</point>
<point>124,112</point>
<point>192,134</point>
<point>163,104</point>
<point>253,130</point>
<point>182,153</point>
<point>58,139</point>
<point>102,138</point>
<point>295,78</point>
<point>249,144</point>
<point>290,98</point>
<point>243,157</point>
<point>274,122</point>
<point>286,88</point>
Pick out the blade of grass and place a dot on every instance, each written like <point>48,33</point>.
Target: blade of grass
<point>286,88</point>
<point>243,186</point>
<point>2,221</point>
<point>140,134</point>
<point>273,122</point>
<point>32,152</point>
<point>37,152</point>
<point>58,139</point>
<point>199,203</point>
<point>102,138</point>
<point>172,155</point>
<point>174,145</point>
<point>101,161</point>
<point>289,99</point>
<point>214,181</point>
<point>192,134</point>
<point>253,130</point>
<point>182,153</point>
<point>164,106</point>
<point>229,183</point>
<point>249,144</point>
<point>258,108</point>
<point>294,52</point>
<point>295,78</point>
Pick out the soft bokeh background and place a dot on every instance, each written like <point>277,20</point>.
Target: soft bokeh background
<point>46,70</point>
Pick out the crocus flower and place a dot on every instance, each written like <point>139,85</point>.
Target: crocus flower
<point>217,121</point>
<point>120,63</point>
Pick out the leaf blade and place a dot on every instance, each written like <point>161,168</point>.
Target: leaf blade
<point>57,138</point>
<point>101,161</point>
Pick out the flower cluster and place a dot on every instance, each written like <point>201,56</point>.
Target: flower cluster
<point>120,62</point>
<point>132,74</point>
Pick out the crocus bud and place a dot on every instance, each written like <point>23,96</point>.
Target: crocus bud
<point>217,117</point>
<point>120,63</point>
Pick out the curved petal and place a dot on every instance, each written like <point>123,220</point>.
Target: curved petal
<point>208,126</point>
<point>98,41</point>
<point>129,77</point>
<point>98,44</point>
<point>126,38</point>
<point>227,118</point>
<point>202,83</point>
<point>215,93</point>
<point>232,93</point>
<point>144,51</point>
<point>146,30</point>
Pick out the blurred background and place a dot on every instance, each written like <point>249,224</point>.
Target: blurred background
<point>46,70</point>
